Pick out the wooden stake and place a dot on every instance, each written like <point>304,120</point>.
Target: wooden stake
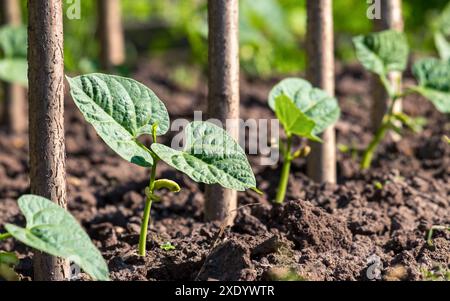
<point>110,29</point>
<point>46,114</point>
<point>14,105</point>
<point>391,18</point>
<point>223,98</point>
<point>320,72</point>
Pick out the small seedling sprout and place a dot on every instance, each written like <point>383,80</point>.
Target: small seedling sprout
<point>121,110</point>
<point>305,112</point>
<point>387,51</point>
<point>432,230</point>
<point>167,246</point>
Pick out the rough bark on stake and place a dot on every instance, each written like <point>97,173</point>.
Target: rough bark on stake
<point>110,30</point>
<point>320,72</point>
<point>14,104</point>
<point>46,111</point>
<point>223,98</point>
<point>391,18</point>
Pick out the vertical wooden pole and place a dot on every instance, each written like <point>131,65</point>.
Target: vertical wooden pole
<point>223,98</point>
<point>320,72</point>
<point>46,114</point>
<point>391,18</point>
<point>110,29</point>
<point>14,105</point>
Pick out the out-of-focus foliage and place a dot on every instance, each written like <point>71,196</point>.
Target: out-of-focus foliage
<point>442,33</point>
<point>13,54</point>
<point>272,32</point>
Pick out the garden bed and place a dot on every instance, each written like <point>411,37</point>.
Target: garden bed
<point>369,221</point>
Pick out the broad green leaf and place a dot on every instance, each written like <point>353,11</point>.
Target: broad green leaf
<point>313,102</point>
<point>293,120</point>
<point>433,76</point>
<point>210,156</point>
<point>121,110</point>
<point>53,230</point>
<point>382,52</point>
<point>13,41</point>
<point>14,71</point>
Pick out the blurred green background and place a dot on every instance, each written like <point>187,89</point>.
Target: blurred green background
<point>272,32</point>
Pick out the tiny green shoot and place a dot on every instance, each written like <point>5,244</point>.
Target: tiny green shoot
<point>167,246</point>
<point>431,232</point>
<point>378,185</point>
<point>304,112</point>
<point>122,110</point>
<point>387,51</point>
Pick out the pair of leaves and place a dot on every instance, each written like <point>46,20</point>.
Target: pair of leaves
<point>121,110</point>
<point>387,51</point>
<point>302,109</point>
<point>13,45</point>
<point>53,230</point>
<point>382,52</point>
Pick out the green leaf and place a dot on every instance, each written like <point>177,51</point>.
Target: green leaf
<point>433,76</point>
<point>315,103</point>
<point>210,156</point>
<point>382,52</point>
<point>121,110</point>
<point>293,120</point>
<point>14,71</point>
<point>14,41</point>
<point>53,230</point>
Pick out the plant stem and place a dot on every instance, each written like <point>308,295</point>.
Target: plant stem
<point>5,236</point>
<point>147,211</point>
<point>284,180</point>
<point>368,154</point>
<point>148,202</point>
<point>380,134</point>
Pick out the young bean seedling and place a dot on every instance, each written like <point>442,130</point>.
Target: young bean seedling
<point>13,57</point>
<point>388,51</point>
<point>52,230</point>
<point>305,112</point>
<point>121,110</point>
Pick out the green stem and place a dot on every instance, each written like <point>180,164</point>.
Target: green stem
<point>148,202</point>
<point>284,180</point>
<point>5,236</point>
<point>380,133</point>
<point>370,151</point>
<point>147,211</point>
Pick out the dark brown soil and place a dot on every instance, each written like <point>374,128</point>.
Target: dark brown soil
<point>371,223</point>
